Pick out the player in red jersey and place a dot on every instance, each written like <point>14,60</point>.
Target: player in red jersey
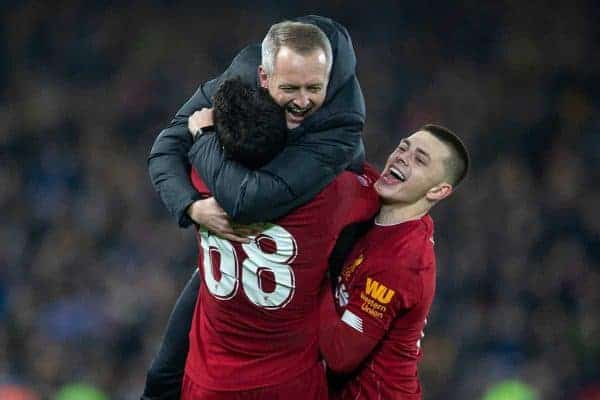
<point>387,285</point>
<point>255,327</point>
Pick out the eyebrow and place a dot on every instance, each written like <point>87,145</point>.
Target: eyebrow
<point>418,150</point>
<point>294,85</point>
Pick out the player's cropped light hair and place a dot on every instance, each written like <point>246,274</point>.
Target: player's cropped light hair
<point>301,37</point>
<point>457,165</point>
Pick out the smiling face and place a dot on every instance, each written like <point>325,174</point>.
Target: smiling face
<point>298,83</point>
<point>415,171</point>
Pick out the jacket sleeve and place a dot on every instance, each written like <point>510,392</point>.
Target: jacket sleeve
<point>168,163</point>
<point>294,177</point>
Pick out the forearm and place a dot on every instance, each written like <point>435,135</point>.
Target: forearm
<point>266,197</point>
<point>246,195</point>
<point>292,179</point>
<point>168,164</point>
<point>169,173</point>
<point>342,346</point>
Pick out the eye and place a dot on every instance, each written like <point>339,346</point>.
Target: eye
<point>420,161</point>
<point>314,89</point>
<point>288,89</point>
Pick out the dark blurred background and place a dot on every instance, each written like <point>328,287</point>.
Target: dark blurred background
<point>91,263</point>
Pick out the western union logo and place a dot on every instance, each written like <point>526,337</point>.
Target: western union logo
<point>379,292</point>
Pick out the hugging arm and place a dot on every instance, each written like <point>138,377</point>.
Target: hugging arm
<point>292,178</point>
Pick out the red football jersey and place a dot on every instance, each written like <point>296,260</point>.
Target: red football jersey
<point>385,291</point>
<point>256,319</point>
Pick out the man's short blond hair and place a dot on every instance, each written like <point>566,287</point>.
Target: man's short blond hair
<point>298,36</point>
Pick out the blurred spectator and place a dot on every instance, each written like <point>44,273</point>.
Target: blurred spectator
<point>79,391</point>
<point>510,390</point>
<point>15,392</point>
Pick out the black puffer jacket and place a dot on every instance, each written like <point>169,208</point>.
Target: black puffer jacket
<point>326,143</point>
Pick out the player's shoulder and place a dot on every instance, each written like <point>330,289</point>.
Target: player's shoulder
<point>388,271</point>
<point>410,247</point>
<point>370,171</point>
<point>424,242</point>
<point>404,259</point>
<point>365,179</point>
<point>418,235</point>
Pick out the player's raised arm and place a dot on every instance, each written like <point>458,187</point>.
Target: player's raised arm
<point>168,165</point>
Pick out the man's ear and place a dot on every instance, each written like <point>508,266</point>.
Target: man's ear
<point>439,192</point>
<point>263,78</point>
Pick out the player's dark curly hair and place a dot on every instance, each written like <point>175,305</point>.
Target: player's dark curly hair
<point>250,126</point>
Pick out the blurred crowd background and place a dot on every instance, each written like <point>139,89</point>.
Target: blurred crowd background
<point>91,263</point>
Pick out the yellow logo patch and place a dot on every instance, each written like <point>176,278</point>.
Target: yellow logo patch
<point>379,292</point>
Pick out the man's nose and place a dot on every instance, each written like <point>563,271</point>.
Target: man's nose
<point>402,158</point>
<point>302,100</point>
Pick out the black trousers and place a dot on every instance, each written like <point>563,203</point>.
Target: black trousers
<point>165,376</point>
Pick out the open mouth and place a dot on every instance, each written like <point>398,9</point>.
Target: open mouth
<point>297,112</point>
<point>397,174</point>
<point>393,176</point>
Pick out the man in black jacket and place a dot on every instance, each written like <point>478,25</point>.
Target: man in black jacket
<point>327,140</point>
<point>325,113</point>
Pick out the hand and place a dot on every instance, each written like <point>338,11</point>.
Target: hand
<point>248,230</point>
<point>208,213</point>
<point>199,120</point>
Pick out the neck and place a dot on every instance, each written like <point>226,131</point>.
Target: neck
<point>393,214</point>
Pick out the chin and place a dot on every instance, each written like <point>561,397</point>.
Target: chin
<point>385,194</point>
<point>377,187</point>
<point>292,124</point>
<point>382,189</point>
<point>389,194</point>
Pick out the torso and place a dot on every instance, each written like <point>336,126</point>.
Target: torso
<point>389,279</point>
<point>256,320</point>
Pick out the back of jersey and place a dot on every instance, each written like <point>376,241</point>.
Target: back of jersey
<point>256,320</point>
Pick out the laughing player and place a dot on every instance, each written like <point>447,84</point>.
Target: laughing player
<point>386,288</point>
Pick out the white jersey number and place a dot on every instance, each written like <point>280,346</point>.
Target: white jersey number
<point>221,267</point>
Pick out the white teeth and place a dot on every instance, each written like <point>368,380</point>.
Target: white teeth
<point>397,174</point>
<point>297,111</point>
